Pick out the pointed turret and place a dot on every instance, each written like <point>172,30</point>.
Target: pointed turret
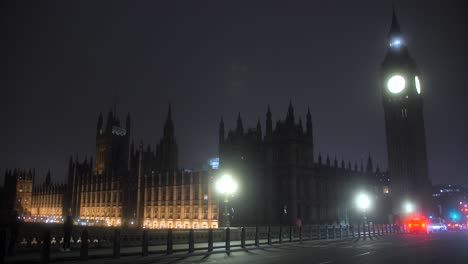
<point>110,122</point>
<point>221,131</point>
<point>132,148</point>
<point>300,125</point>
<point>128,124</point>
<point>259,130</point>
<point>290,115</point>
<point>48,179</point>
<point>369,167</point>
<point>395,26</point>
<point>320,158</point>
<point>99,124</point>
<point>269,124</point>
<point>169,125</point>
<point>309,123</point>
<point>239,127</point>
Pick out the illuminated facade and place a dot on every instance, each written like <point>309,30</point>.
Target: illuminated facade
<point>180,200</point>
<point>142,187</point>
<point>18,190</point>
<point>47,200</point>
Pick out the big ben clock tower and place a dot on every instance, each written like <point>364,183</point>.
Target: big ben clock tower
<point>403,90</point>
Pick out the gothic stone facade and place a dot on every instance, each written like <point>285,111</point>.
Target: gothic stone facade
<point>279,179</point>
<point>139,187</point>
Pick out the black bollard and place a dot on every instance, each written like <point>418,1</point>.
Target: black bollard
<point>84,245</point>
<point>144,243</point>
<point>191,241</point>
<point>359,230</point>
<point>281,234</point>
<point>341,232</point>
<point>242,237</point>
<point>319,232</point>
<point>291,234</point>
<point>228,241</point>
<point>67,231</point>
<point>326,232</point>
<point>169,242</point>
<point>373,229</point>
<point>257,240</point>
<point>300,234</point>
<point>3,244</point>
<point>334,232</point>
<point>45,251</point>
<point>116,246</point>
<point>368,230</point>
<point>269,235</point>
<point>210,240</point>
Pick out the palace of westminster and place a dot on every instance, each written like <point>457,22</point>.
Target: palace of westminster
<point>280,178</point>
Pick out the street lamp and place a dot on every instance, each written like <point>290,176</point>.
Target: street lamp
<point>409,207</point>
<point>226,186</point>
<point>363,203</point>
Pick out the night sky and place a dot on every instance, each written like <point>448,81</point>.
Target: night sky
<point>67,60</point>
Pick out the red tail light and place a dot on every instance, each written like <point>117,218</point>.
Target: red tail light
<point>424,225</point>
<point>409,225</point>
<point>449,224</point>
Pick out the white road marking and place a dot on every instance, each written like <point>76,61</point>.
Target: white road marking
<point>366,253</point>
<point>325,262</point>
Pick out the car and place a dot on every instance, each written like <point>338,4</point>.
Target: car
<point>454,226</point>
<point>416,225</point>
<point>434,226</point>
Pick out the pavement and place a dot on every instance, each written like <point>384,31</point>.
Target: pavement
<point>450,247</point>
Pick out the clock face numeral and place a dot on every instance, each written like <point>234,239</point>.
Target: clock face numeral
<point>417,84</point>
<point>396,84</point>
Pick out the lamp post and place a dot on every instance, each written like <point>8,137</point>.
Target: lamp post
<point>363,203</point>
<point>226,186</point>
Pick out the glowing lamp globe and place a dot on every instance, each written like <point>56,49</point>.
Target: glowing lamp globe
<point>363,201</point>
<point>226,185</point>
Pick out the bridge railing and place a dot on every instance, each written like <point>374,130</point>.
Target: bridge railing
<point>111,242</point>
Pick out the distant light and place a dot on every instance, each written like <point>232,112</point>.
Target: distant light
<point>214,163</point>
<point>430,216</point>
<point>131,222</point>
<point>396,42</point>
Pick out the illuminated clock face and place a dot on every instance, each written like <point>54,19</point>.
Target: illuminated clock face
<point>396,84</point>
<point>418,84</point>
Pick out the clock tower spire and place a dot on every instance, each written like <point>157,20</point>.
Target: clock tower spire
<point>404,125</point>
